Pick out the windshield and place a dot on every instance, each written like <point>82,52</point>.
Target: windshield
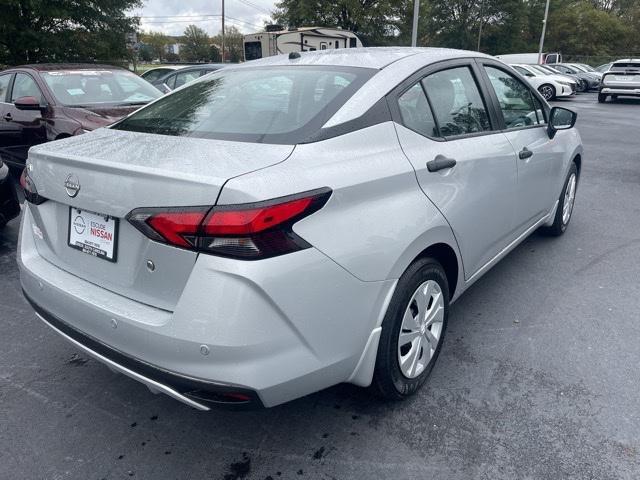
<point>539,70</point>
<point>284,104</point>
<point>551,69</point>
<point>76,88</point>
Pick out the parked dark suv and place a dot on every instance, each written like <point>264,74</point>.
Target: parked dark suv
<point>40,103</point>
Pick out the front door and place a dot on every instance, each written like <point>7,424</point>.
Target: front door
<point>445,120</point>
<point>8,130</point>
<point>538,159</point>
<point>28,125</point>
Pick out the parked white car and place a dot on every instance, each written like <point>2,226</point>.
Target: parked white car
<point>549,86</point>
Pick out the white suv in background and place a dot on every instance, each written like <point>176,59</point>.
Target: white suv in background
<point>623,78</point>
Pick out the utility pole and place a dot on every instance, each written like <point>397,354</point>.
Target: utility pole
<point>480,30</point>
<point>222,31</point>
<point>416,15</point>
<point>544,31</point>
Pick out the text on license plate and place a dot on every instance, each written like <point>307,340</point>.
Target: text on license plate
<point>93,233</point>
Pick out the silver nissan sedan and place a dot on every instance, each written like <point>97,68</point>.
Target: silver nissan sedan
<point>292,223</point>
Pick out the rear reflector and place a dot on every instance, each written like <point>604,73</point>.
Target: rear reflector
<point>248,231</point>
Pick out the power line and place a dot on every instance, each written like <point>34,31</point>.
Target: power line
<point>257,7</point>
<point>193,18</point>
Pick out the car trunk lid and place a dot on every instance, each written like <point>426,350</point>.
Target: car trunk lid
<point>118,171</point>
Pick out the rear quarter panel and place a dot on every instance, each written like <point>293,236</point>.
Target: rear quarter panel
<point>377,219</point>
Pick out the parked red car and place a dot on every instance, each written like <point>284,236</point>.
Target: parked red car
<point>40,103</point>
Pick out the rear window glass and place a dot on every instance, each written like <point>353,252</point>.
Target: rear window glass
<point>264,105</point>
<point>625,66</point>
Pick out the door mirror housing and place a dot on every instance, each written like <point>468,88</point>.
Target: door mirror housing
<point>27,103</point>
<point>561,119</point>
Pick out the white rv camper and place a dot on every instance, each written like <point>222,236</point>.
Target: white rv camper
<point>276,40</point>
<point>530,58</point>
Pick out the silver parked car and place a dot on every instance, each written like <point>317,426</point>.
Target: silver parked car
<point>282,226</point>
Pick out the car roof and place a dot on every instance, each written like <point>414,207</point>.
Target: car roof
<point>47,67</point>
<point>367,57</point>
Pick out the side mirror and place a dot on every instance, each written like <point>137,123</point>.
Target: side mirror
<point>560,119</point>
<point>27,103</point>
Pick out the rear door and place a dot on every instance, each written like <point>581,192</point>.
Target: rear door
<point>465,166</point>
<point>523,118</point>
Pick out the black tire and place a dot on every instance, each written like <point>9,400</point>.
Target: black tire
<point>559,226</point>
<point>582,86</point>
<point>548,91</point>
<point>602,98</point>
<point>388,380</point>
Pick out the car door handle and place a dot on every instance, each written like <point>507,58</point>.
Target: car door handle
<point>8,117</point>
<point>525,153</point>
<point>440,163</point>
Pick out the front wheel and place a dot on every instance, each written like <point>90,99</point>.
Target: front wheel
<point>602,98</point>
<point>412,330</point>
<point>547,91</point>
<point>565,204</point>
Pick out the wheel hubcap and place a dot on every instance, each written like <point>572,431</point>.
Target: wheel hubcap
<point>547,93</point>
<point>421,329</point>
<point>569,198</point>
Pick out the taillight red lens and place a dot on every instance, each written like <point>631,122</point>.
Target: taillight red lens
<point>30,192</point>
<point>178,228</point>
<point>237,221</point>
<point>249,231</point>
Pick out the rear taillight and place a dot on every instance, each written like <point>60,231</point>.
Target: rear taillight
<point>248,231</point>
<point>30,191</point>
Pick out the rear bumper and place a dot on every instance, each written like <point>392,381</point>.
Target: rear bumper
<point>196,393</point>
<point>279,328</point>
<point>631,91</point>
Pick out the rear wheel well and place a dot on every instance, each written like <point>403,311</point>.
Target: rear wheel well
<point>446,256</point>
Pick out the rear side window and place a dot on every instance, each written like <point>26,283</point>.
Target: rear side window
<point>457,102</point>
<point>265,105</point>
<point>416,113</point>
<point>4,86</point>
<point>186,77</point>
<point>516,100</point>
<point>25,86</point>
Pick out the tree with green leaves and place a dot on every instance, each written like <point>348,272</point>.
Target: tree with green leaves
<point>157,42</point>
<point>233,44</point>
<point>196,44</point>
<point>375,22</point>
<point>65,30</point>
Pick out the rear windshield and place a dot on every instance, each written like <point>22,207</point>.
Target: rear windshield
<point>625,66</point>
<point>284,104</point>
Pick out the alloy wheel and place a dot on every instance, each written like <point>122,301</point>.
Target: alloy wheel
<point>569,199</point>
<point>421,329</point>
<point>547,92</point>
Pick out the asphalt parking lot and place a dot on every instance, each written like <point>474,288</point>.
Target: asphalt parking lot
<point>538,378</point>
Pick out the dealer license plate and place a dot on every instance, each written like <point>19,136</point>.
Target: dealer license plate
<point>93,233</point>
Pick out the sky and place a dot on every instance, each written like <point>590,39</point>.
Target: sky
<point>172,17</point>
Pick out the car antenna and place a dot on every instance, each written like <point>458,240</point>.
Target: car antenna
<point>294,55</point>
